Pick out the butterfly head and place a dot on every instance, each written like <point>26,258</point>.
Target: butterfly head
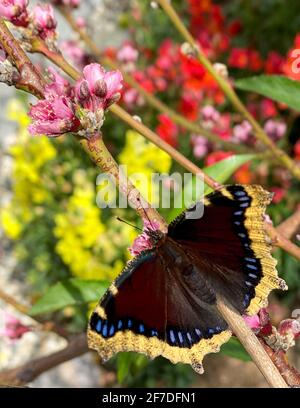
<point>156,236</point>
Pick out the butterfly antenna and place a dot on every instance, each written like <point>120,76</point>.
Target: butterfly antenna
<point>146,215</point>
<point>128,223</point>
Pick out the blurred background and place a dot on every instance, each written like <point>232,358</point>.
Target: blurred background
<point>51,229</point>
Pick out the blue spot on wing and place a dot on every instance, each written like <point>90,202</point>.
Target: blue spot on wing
<point>112,330</point>
<point>104,330</point>
<point>98,326</point>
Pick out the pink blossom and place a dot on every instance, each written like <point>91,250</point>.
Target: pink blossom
<point>253,322</point>
<point>13,328</point>
<point>210,113</point>
<point>242,132</point>
<point>200,146</point>
<point>259,323</point>
<point>76,54</point>
<point>80,21</point>
<point>130,97</point>
<point>44,20</point>
<point>274,129</point>
<point>98,89</point>
<point>113,81</point>
<point>53,117</point>
<point>59,86</point>
<point>143,242</point>
<point>127,53</point>
<point>290,326</point>
<point>15,11</point>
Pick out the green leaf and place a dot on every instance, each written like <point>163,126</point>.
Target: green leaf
<point>69,293</point>
<point>220,171</point>
<point>276,87</point>
<point>233,348</point>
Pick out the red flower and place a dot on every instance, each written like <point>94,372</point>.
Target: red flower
<point>297,150</point>
<point>279,194</point>
<point>274,63</point>
<point>235,27</point>
<point>243,175</point>
<point>268,108</point>
<point>255,61</point>
<point>189,107</point>
<point>167,130</point>
<point>215,157</point>
<point>238,58</point>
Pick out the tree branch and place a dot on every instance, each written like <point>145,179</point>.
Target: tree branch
<point>28,372</point>
<point>290,226</point>
<point>30,80</point>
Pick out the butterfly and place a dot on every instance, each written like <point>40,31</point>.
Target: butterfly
<point>164,301</point>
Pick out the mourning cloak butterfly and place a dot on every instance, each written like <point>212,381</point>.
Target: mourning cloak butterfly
<point>163,303</point>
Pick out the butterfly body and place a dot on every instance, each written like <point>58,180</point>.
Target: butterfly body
<point>164,302</point>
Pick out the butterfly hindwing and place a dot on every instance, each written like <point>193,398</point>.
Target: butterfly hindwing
<point>231,246</point>
<point>148,310</point>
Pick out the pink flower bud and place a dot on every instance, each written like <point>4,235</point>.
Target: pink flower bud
<point>15,11</point>
<point>59,86</point>
<point>274,129</point>
<point>43,20</point>
<point>242,132</point>
<point>200,146</point>
<point>210,113</point>
<point>98,89</point>
<point>13,328</point>
<point>290,327</point>
<point>83,91</point>
<point>127,54</point>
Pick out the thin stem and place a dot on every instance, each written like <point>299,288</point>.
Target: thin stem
<point>30,371</point>
<point>260,134</point>
<point>290,226</point>
<point>38,45</point>
<point>14,303</point>
<point>98,152</point>
<point>151,99</point>
<point>281,242</point>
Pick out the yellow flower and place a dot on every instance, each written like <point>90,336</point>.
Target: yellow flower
<point>10,223</point>
<point>142,159</point>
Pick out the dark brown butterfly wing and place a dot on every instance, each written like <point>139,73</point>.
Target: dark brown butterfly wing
<point>230,246</point>
<point>149,311</point>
